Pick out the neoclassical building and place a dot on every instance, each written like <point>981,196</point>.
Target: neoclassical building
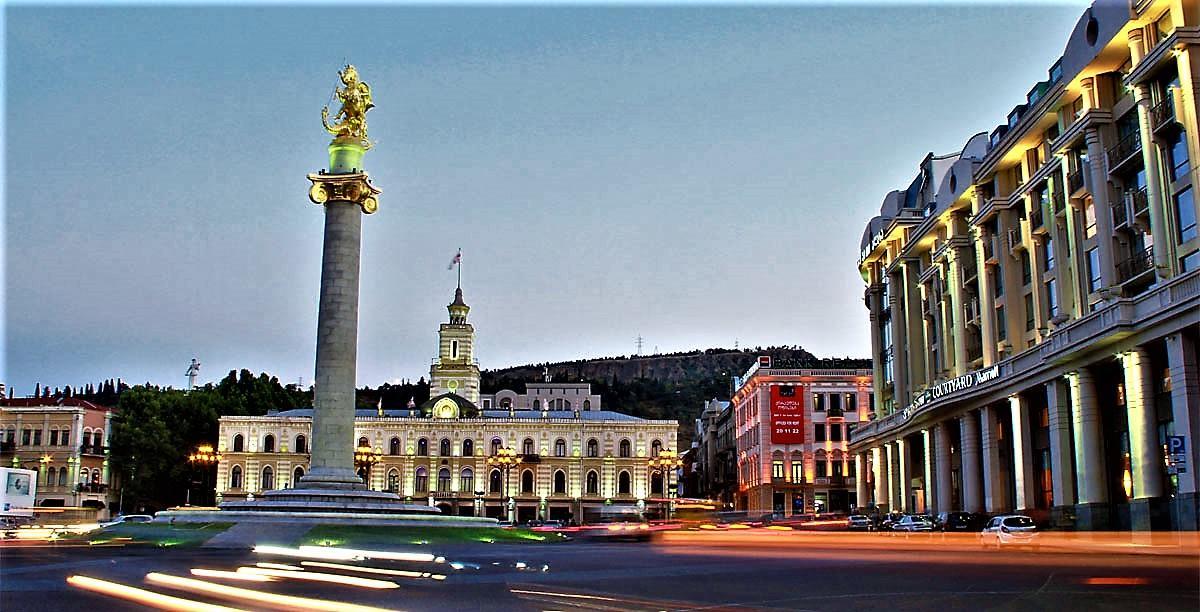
<point>570,458</point>
<point>1035,298</point>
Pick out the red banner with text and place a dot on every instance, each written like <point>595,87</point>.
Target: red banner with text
<point>787,415</point>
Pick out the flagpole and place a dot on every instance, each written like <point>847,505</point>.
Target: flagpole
<point>460,267</point>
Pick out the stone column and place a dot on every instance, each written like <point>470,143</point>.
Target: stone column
<point>1185,406</point>
<point>927,460</point>
<point>880,476</point>
<point>1022,454</point>
<point>893,475</point>
<point>1103,206</point>
<point>905,489</point>
<point>1164,246</point>
<point>971,486</point>
<point>915,344</point>
<point>1091,511</point>
<point>860,480</point>
<point>1144,450</point>
<point>942,467</point>
<point>874,295</point>
<point>957,309</point>
<point>900,373</point>
<point>1062,477</point>
<point>987,299</point>
<point>993,482</point>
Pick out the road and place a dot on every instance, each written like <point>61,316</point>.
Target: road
<point>693,571</point>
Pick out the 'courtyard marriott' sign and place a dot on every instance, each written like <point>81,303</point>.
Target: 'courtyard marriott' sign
<point>966,381</point>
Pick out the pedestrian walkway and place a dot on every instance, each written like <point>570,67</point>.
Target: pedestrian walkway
<point>247,535</point>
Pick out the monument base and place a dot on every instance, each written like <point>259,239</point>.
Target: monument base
<point>329,500</point>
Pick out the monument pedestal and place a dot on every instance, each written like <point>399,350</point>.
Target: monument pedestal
<point>329,499</point>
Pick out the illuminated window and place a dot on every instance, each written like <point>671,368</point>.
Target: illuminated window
<point>422,480</point>
<point>624,449</point>
<point>443,481</point>
<point>466,481</point>
<point>593,483</point>
<point>495,481</point>
<point>394,446</point>
<point>235,477</point>
<point>468,448</point>
<point>797,471</point>
<point>777,469</point>
<point>422,447</point>
<point>268,479</point>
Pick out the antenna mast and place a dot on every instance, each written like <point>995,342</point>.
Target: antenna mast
<point>640,341</point>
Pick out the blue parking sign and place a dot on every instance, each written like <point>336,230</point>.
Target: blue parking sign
<point>1176,445</point>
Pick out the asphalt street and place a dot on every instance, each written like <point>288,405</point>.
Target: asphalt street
<point>692,574</point>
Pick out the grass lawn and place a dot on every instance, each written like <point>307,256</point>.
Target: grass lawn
<point>363,536</point>
<point>183,534</point>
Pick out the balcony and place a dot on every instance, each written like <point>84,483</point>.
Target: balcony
<point>91,487</point>
<point>1120,212</point>
<point>1124,151</point>
<point>1075,181</point>
<point>1138,201</point>
<point>1058,201</point>
<point>1035,218</point>
<point>1136,265</point>
<point>989,249</point>
<point>89,449</point>
<point>1163,114</point>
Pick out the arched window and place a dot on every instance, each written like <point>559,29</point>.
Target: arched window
<point>527,447</point>
<point>50,476</point>
<point>239,443</point>
<point>496,443</point>
<point>593,483</point>
<point>268,444</point>
<point>297,474</point>
<point>235,477</point>
<point>444,448</point>
<point>454,349</point>
<point>95,476</point>
<point>363,441</point>
<point>560,448</point>
<point>66,435</point>
<point>623,487</point>
<point>422,447</point>
<point>587,404</point>
<point>301,444</point>
<point>656,483</point>
<point>495,480</point>
<point>394,446</point>
<point>527,481</point>
<point>466,480</point>
<point>443,483</point>
<point>655,447</point>
<point>97,441</point>
<point>62,477</point>
<point>624,448</point>
<point>468,448</point>
<point>393,480</point>
<point>506,403</point>
<point>593,448</point>
<point>560,482</point>
<point>537,404</point>
<point>268,479</point>
<point>422,480</point>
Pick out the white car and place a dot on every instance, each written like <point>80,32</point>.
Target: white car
<point>912,522</point>
<point>1009,530</point>
<point>128,518</point>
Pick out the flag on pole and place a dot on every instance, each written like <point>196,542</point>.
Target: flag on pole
<point>456,261</point>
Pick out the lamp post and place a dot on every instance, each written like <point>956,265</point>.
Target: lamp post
<point>365,458</point>
<point>667,461</point>
<point>204,456</point>
<point>505,458</point>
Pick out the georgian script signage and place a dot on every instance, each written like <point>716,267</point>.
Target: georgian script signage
<point>787,415</point>
<point>966,381</point>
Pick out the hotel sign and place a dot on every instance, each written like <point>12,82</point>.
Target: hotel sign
<point>940,390</point>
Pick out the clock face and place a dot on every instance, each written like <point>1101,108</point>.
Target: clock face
<point>453,385</point>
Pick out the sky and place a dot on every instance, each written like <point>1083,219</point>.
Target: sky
<point>694,175</point>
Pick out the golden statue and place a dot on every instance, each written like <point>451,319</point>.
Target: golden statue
<point>351,121</point>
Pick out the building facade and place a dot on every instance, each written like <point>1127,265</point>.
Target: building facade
<point>570,459</point>
<point>1034,298</point>
<point>716,453</point>
<point>66,441</point>
<point>791,428</point>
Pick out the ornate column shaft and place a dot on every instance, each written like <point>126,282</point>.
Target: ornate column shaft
<point>1062,478</point>
<point>971,485</point>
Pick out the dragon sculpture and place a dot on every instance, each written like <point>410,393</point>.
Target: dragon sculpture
<point>350,123</point>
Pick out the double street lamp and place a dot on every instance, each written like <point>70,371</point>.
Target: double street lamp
<point>364,459</point>
<point>668,461</point>
<point>505,458</point>
<point>204,456</point>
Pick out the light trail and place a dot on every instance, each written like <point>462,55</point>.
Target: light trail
<point>377,554</point>
<point>372,570</point>
<point>281,566</point>
<point>144,597</point>
<point>283,602</point>
<point>366,583</point>
<point>212,573</point>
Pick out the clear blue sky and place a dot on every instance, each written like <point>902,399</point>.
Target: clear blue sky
<point>694,175</point>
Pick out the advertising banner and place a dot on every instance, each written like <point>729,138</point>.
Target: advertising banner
<point>787,415</point>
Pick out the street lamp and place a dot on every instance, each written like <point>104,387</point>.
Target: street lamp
<point>204,456</point>
<point>364,459</point>
<point>667,461</point>
<point>505,458</point>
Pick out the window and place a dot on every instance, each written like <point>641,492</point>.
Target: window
<point>363,441</point>
<point>624,448</point>
<point>560,448</point>
<point>537,404</point>
<point>235,477</point>
<point>62,477</point>
<point>1190,262</point>
<point>468,448</point>
<point>394,446</point>
<point>496,442</point>
<point>422,480</point>
<point>1048,254</point>
<point>1093,259</point>
<point>1185,212</point>
<point>96,443</point>
<point>268,479</point>
<point>443,482</point>
<point>495,481</point>
<point>53,437</point>
<point>623,486</point>
<point>1026,268</point>
<point>1178,166</point>
<point>1029,314</point>
<point>1001,324</point>
<point>297,474</point>
<point>587,404</point>
<point>593,483</point>
<point>822,468</point>
<point>997,283</point>
<point>269,443</point>
<point>454,349</point>
<point>423,447</point>
<point>466,480</point>
<point>393,480</point>
<point>655,448</point>
<point>656,483</point>
<point>797,470</point>
<point>301,444</point>
<point>66,436</point>
<point>239,443</point>
<point>560,482</point>
<point>818,402</point>
<point>835,403</point>
<point>444,447</point>
<point>851,402</point>
<point>527,447</point>
<point>1089,219</point>
<point>527,481</point>
<point>835,432</point>
<point>850,469</point>
<point>593,448</point>
<point>777,469</point>
<point>1051,298</point>
<point>819,432</point>
<point>37,437</point>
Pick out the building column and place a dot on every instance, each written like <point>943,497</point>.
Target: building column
<point>1091,511</point>
<point>1062,474</point>
<point>860,480</point>
<point>905,479</point>
<point>957,310</point>
<point>927,461</point>
<point>1098,172</point>
<point>879,475</point>
<point>915,342</point>
<point>1164,246</point>
<point>874,295</point>
<point>987,298</point>
<point>1144,452</point>
<point>899,341</point>
<point>993,485</point>
<point>971,486</point>
<point>1022,454</point>
<point>889,450</point>
<point>1185,406</point>
<point>941,440</point>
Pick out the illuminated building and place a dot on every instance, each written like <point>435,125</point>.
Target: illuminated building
<point>66,441</point>
<point>571,459</point>
<point>791,431</point>
<point>1034,298</point>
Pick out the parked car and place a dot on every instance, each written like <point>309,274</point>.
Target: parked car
<point>129,518</point>
<point>859,522</point>
<point>913,522</point>
<point>889,519</point>
<point>952,521</point>
<point>1009,530</point>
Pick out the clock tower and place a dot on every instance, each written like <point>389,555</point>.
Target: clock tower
<point>455,370</point>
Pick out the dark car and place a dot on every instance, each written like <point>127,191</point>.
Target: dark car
<point>890,519</point>
<point>952,521</point>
